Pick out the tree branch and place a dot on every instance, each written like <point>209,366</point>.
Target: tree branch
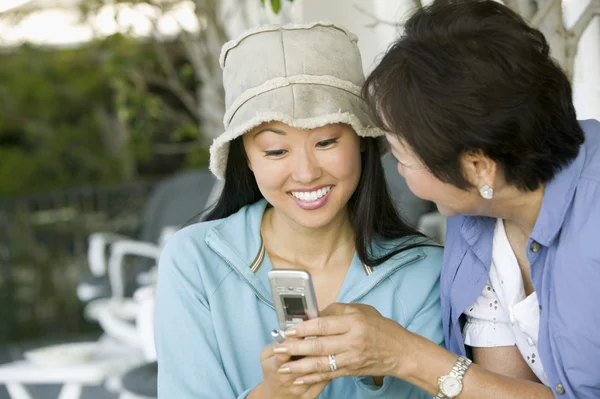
<point>175,87</point>
<point>376,19</point>
<point>542,12</point>
<point>173,82</point>
<point>592,10</point>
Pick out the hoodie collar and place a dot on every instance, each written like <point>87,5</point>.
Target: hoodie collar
<point>238,241</point>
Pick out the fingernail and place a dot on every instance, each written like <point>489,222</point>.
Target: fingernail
<point>298,382</point>
<point>290,333</point>
<point>284,370</point>
<point>281,350</point>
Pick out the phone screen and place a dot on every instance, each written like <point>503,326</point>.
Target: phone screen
<point>294,305</point>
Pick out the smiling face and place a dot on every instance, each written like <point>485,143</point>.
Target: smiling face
<point>306,175</point>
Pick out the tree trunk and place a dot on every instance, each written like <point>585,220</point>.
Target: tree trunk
<point>117,136</point>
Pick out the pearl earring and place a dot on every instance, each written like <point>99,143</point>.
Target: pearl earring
<point>486,192</point>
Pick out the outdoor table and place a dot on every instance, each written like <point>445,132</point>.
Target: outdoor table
<point>107,360</point>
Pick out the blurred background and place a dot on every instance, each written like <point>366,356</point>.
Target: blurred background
<point>107,110</point>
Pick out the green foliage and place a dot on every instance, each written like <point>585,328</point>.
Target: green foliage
<point>89,115</point>
<point>95,114</point>
<point>48,135</point>
<point>152,112</point>
<point>198,158</point>
<point>275,5</point>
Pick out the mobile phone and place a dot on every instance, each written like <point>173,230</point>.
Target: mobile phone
<point>293,296</point>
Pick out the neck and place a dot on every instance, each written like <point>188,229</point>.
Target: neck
<point>519,208</point>
<point>308,248</point>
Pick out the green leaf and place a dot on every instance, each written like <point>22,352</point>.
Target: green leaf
<point>262,3</point>
<point>276,6</point>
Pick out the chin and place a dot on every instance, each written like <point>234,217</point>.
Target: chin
<point>312,219</point>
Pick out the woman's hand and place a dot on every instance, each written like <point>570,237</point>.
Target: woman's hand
<point>277,385</point>
<point>363,342</point>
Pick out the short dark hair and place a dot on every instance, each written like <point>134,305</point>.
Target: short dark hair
<point>472,76</point>
<point>372,212</point>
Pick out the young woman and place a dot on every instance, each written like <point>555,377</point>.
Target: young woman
<point>304,189</point>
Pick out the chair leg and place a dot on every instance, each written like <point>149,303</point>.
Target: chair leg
<point>70,391</point>
<point>17,391</point>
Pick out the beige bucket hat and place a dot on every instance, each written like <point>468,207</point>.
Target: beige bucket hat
<point>304,75</point>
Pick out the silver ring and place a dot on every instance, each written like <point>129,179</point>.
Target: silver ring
<point>332,364</point>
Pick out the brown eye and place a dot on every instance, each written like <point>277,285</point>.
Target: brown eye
<point>275,153</point>
<point>326,143</point>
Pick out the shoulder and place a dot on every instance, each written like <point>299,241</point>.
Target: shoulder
<point>188,256</point>
<point>580,229</point>
<point>591,169</point>
<point>577,253</point>
<point>418,265</point>
<point>430,259</point>
<point>188,265</point>
<point>581,225</point>
<point>189,242</point>
<point>412,249</point>
<point>415,282</point>
<point>192,240</point>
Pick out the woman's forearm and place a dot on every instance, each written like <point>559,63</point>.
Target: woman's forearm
<point>430,361</point>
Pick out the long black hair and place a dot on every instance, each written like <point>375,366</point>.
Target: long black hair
<point>373,216</point>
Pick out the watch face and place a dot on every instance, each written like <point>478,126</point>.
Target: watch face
<point>451,386</point>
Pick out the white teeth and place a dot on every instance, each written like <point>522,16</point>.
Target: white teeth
<point>312,195</point>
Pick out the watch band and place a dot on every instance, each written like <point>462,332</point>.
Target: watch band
<point>458,371</point>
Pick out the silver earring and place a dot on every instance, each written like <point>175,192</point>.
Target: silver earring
<point>486,192</point>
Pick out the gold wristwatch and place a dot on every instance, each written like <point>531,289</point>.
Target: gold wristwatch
<point>451,383</point>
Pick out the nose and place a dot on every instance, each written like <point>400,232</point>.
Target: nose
<point>306,168</point>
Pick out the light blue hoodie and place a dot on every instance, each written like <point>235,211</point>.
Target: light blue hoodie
<point>214,310</point>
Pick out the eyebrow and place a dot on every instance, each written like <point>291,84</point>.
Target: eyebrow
<point>270,129</point>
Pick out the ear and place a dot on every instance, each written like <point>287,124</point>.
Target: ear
<point>479,169</point>
<point>249,163</point>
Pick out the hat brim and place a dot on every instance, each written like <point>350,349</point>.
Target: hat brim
<point>302,106</point>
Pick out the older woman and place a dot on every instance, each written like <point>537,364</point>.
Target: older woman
<point>481,121</point>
